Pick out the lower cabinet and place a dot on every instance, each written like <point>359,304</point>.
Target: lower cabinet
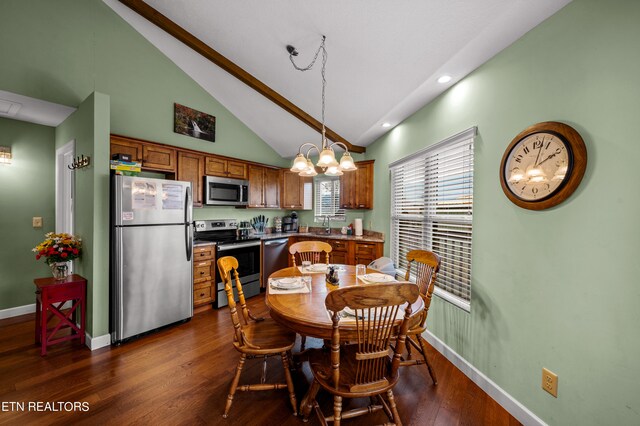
<point>365,253</point>
<point>204,263</point>
<point>340,252</point>
<point>348,252</point>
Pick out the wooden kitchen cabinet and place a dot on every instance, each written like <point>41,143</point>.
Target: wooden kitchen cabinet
<point>191,169</point>
<point>340,251</point>
<point>256,185</point>
<point>356,188</point>
<point>158,158</point>
<point>264,187</point>
<point>204,263</point>
<point>272,188</point>
<point>366,252</point>
<point>152,157</point>
<point>217,166</point>
<point>292,191</point>
<point>120,145</point>
<point>349,251</point>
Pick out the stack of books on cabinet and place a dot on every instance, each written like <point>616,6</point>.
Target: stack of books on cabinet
<point>121,164</point>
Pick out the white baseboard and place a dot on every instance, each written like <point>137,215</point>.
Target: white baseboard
<point>97,342</point>
<point>18,310</point>
<point>515,408</point>
<point>26,309</point>
<point>92,343</point>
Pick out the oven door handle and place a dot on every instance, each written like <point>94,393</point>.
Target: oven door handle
<point>226,247</point>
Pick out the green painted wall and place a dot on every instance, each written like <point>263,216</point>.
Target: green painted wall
<point>26,190</point>
<point>555,288</point>
<point>89,127</point>
<point>68,50</point>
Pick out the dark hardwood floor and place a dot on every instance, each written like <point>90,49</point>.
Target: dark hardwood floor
<point>181,375</point>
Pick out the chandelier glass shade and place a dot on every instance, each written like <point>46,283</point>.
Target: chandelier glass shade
<point>327,158</point>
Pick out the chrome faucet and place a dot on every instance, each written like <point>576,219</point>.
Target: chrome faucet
<point>327,219</point>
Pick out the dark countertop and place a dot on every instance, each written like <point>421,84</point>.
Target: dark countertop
<point>376,238</point>
<point>202,243</point>
<point>333,236</point>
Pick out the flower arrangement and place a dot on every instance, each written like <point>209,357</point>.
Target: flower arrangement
<point>58,248</point>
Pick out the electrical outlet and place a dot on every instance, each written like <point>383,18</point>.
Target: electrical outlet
<point>550,382</point>
<point>37,222</point>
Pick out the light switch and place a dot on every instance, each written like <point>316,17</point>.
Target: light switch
<point>37,222</point>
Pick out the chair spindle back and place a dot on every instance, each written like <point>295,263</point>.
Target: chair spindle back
<point>375,308</point>
<point>311,251</point>
<point>426,265</point>
<point>228,266</point>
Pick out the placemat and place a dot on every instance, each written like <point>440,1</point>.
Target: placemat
<point>305,288</point>
<point>311,271</point>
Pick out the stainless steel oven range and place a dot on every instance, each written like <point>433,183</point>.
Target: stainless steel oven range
<point>224,232</point>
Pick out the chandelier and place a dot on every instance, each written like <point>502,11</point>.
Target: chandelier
<point>327,158</point>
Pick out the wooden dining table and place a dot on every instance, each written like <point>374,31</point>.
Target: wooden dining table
<point>305,313</point>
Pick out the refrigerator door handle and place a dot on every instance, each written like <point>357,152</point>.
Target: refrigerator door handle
<point>188,237</point>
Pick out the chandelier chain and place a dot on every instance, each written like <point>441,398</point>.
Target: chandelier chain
<point>322,72</point>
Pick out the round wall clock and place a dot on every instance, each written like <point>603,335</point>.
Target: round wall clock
<point>543,165</point>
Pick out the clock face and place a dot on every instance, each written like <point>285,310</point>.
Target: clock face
<point>543,165</point>
<point>537,166</point>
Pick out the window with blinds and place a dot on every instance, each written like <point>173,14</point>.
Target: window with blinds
<point>432,209</point>
<point>328,199</point>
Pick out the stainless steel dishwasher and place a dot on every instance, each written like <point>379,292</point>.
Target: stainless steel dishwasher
<point>275,256</point>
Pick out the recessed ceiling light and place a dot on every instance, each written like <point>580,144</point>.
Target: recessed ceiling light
<point>444,79</point>
<point>385,125</point>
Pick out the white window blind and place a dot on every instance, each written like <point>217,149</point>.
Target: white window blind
<point>432,209</point>
<point>308,196</point>
<point>328,199</point>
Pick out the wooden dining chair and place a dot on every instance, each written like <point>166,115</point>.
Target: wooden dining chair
<point>362,368</point>
<point>425,266</point>
<point>255,337</point>
<point>310,250</point>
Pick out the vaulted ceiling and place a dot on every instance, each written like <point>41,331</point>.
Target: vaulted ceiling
<point>384,57</point>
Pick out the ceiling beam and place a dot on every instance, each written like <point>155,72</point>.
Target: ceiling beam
<point>170,27</point>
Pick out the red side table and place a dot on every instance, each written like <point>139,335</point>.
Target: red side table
<point>51,294</point>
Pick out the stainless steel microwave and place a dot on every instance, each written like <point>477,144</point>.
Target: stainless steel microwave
<point>220,191</point>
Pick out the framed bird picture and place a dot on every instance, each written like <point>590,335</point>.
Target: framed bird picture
<point>188,121</point>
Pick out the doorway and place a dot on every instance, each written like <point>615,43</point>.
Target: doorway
<point>65,188</point>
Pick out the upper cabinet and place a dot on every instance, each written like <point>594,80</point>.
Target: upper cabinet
<point>264,187</point>
<point>356,188</point>
<point>272,188</point>
<point>120,145</point>
<point>191,169</point>
<point>293,190</point>
<point>159,158</point>
<point>223,167</point>
<point>153,157</point>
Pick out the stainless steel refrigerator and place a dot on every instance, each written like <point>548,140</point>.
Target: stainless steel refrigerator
<point>151,255</point>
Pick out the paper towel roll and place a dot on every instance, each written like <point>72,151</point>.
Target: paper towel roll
<point>358,227</point>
